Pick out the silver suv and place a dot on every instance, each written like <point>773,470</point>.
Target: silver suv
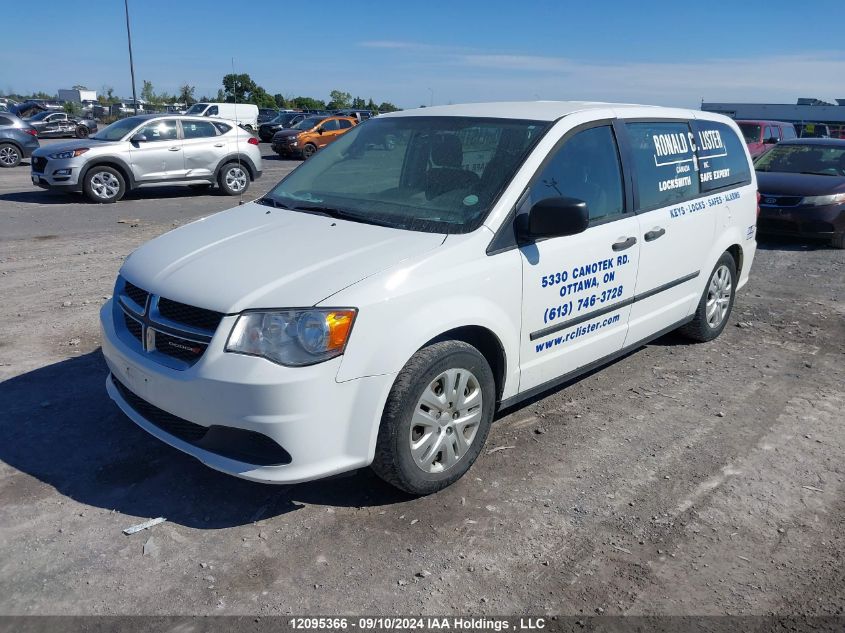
<point>151,149</point>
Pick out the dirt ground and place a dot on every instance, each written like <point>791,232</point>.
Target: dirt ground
<point>682,479</point>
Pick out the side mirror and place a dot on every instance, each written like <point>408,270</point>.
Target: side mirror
<point>770,141</point>
<point>554,217</point>
<point>138,138</point>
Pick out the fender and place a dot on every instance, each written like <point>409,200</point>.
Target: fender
<point>482,292</point>
<point>244,160</point>
<point>111,161</point>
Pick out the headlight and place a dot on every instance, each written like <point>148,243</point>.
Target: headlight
<point>819,201</point>
<point>69,154</point>
<point>293,143</point>
<point>293,337</point>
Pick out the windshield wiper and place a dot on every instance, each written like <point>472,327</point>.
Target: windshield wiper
<point>269,202</point>
<point>339,214</point>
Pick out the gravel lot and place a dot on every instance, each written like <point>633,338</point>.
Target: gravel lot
<point>681,479</point>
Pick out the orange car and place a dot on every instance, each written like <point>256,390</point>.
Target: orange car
<point>306,137</point>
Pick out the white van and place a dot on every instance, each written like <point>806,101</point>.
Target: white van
<point>245,114</point>
<point>429,267</point>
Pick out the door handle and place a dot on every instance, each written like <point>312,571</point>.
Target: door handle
<point>218,145</point>
<point>622,245</point>
<point>654,234</point>
<point>174,149</point>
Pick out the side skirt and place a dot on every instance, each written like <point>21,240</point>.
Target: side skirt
<point>585,369</point>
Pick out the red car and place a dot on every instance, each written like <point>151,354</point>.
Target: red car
<point>761,136</point>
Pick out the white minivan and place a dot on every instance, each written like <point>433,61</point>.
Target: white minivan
<point>244,114</point>
<point>384,300</point>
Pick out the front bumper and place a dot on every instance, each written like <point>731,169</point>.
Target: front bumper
<point>824,222</point>
<point>325,426</point>
<point>56,174</point>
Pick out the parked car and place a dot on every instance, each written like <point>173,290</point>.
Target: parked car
<point>802,189</point>
<point>306,137</point>
<point>51,124</point>
<point>359,115</point>
<point>245,114</point>
<point>282,121</point>
<point>813,130</point>
<point>377,308</point>
<point>266,114</point>
<point>760,136</point>
<point>151,149</point>
<point>18,139</point>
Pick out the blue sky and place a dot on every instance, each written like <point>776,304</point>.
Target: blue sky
<point>412,53</point>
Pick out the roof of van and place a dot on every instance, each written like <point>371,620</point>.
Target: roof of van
<point>539,110</point>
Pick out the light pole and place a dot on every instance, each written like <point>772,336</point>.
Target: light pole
<point>131,64</point>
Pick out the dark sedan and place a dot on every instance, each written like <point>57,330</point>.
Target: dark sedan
<point>52,124</point>
<point>802,189</point>
<point>282,121</point>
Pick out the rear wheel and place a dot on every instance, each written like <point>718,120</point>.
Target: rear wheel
<point>309,150</point>
<point>716,302</point>
<point>104,185</point>
<point>436,418</point>
<point>10,155</point>
<point>233,179</point>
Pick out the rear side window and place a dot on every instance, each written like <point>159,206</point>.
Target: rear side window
<point>222,127</point>
<point>721,156</point>
<point>664,159</point>
<point>344,124</point>
<point>5,121</point>
<point>331,125</point>
<point>198,129</point>
<point>585,167</point>
<point>788,132</point>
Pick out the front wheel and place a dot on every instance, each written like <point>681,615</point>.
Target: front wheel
<point>436,418</point>
<point>104,185</point>
<point>10,156</point>
<point>716,303</point>
<point>308,151</point>
<point>82,132</point>
<point>233,179</point>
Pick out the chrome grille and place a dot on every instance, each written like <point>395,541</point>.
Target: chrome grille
<point>175,334</point>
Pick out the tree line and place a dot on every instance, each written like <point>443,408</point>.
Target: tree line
<point>238,88</point>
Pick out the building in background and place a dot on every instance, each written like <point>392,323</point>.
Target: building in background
<point>810,116</point>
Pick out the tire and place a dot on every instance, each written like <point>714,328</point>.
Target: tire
<point>308,151</point>
<point>103,185</point>
<point>717,300</point>
<point>838,241</point>
<point>233,179</point>
<point>411,415</point>
<point>82,132</point>
<point>10,155</point>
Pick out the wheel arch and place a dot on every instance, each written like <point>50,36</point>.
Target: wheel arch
<point>735,251</point>
<point>114,163</point>
<point>486,342</point>
<point>236,158</point>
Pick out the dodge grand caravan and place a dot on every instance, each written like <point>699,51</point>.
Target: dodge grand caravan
<point>426,269</point>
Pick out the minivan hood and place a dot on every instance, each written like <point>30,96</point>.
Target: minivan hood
<point>787,184</point>
<point>255,256</point>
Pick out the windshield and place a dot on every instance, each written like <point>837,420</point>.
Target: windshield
<point>750,132</point>
<point>118,129</point>
<point>307,124</point>
<point>430,174</point>
<point>197,108</point>
<point>823,160</point>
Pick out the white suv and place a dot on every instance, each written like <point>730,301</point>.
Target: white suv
<point>151,149</point>
<point>428,268</point>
